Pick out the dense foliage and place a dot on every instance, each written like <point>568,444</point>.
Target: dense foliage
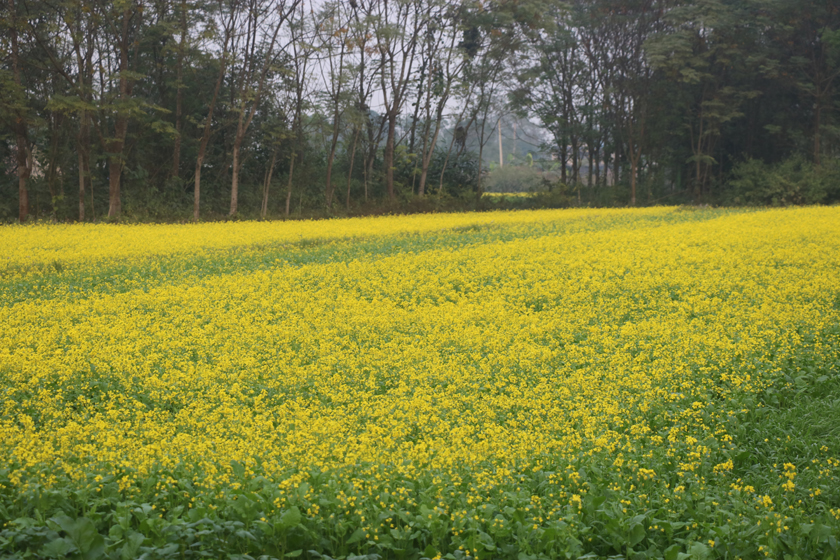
<point>656,383</point>
<point>189,109</point>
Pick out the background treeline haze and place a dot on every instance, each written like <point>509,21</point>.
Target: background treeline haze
<point>200,109</point>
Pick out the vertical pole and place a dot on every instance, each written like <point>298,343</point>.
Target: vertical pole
<point>514,137</point>
<point>501,157</point>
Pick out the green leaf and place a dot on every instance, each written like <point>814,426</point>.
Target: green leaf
<point>166,129</point>
<point>58,548</point>
<point>247,535</point>
<point>293,554</point>
<point>132,546</point>
<point>61,522</point>
<point>131,75</point>
<point>486,541</point>
<point>238,469</point>
<point>637,534</point>
<point>638,519</point>
<point>357,536</point>
<point>167,550</point>
<point>61,103</point>
<point>290,518</point>
<point>672,552</point>
<point>83,534</point>
<point>699,551</point>
<point>722,531</point>
<point>116,532</point>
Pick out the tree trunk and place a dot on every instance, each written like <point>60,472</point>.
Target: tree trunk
<point>114,173</point>
<point>424,172</point>
<point>635,134</point>
<point>604,155</point>
<point>247,112</point>
<point>115,146</point>
<point>115,165</point>
<point>267,184</point>
<point>605,178</point>
<point>179,69</point>
<point>329,191</point>
<point>21,137</point>
<point>234,184</point>
<point>289,186</point>
<point>421,81</point>
<point>84,151</point>
<point>52,172</point>
<point>452,142</point>
<point>563,159</point>
<point>84,80</point>
<point>501,154</point>
<point>350,171</point>
<point>374,139</point>
<point>389,155</point>
<point>616,164</point>
<point>817,126</point>
<point>428,152</point>
<point>205,137</point>
<point>365,179</point>
<point>367,168</point>
<point>697,164</point>
<point>697,150</point>
<point>24,169</point>
<point>424,166</point>
<point>197,191</point>
<point>480,159</point>
<point>446,160</point>
<point>590,175</point>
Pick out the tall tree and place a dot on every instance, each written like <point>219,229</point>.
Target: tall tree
<point>444,63</point>
<point>184,33</point>
<point>229,12</point>
<point>635,23</point>
<point>117,74</point>
<point>254,51</point>
<point>16,109</point>
<point>398,28</point>
<point>332,29</point>
<point>368,67</point>
<point>301,44</point>
<point>701,50</point>
<point>67,34</point>
<point>548,83</point>
<point>813,58</point>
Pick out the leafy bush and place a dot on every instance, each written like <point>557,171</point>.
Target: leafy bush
<point>558,195</point>
<point>513,178</point>
<point>793,181</point>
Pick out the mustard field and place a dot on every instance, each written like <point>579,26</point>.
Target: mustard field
<point>654,383</point>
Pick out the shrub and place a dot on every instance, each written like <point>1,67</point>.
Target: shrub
<point>513,178</point>
<point>793,181</point>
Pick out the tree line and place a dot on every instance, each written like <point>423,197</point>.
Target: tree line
<point>168,109</point>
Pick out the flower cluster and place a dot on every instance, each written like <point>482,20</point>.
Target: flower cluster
<point>470,351</point>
